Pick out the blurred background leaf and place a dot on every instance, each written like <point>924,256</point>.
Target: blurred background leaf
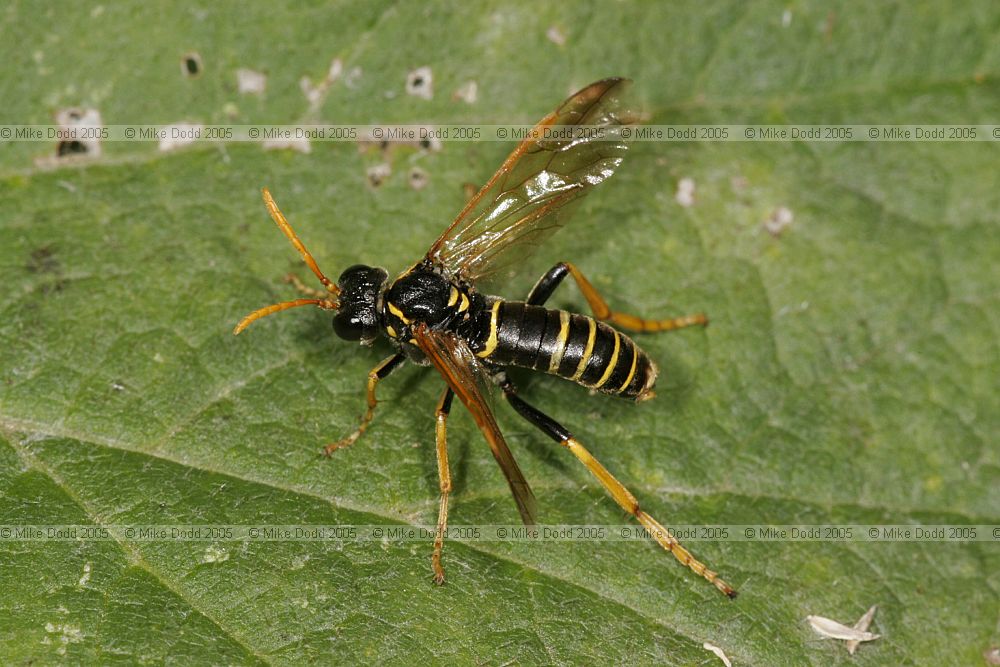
<point>849,373</point>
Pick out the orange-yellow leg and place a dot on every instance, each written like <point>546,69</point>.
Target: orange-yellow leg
<point>286,229</point>
<point>547,284</point>
<point>444,476</point>
<point>296,282</point>
<point>621,495</point>
<point>320,298</point>
<point>376,374</point>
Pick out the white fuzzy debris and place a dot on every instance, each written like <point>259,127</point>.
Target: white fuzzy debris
<point>992,655</point>
<point>86,575</point>
<point>862,625</point>
<point>179,134</point>
<point>781,218</point>
<point>68,634</point>
<point>719,652</point>
<point>420,82</point>
<point>685,192</point>
<point>786,18</point>
<point>300,144</point>
<point>250,81</point>
<point>215,554</point>
<point>316,94</point>
<point>829,628</point>
<point>556,36</point>
<point>312,93</point>
<point>468,92</point>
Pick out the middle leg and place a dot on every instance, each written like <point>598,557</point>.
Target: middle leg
<point>621,495</point>
<point>444,477</point>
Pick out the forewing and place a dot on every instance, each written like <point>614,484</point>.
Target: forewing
<point>456,363</point>
<point>528,198</point>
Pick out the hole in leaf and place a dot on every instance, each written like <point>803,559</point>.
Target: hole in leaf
<point>72,147</point>
<point>191,64</point>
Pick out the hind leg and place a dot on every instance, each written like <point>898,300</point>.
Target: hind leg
<point>616,489</point>
<point>548,283</point>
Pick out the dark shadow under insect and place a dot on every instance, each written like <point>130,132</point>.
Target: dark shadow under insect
<point>434,315</point>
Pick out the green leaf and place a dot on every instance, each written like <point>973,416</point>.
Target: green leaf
<point>849,373</point>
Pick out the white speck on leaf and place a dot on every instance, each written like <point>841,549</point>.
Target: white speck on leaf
<point>418,178</point>
<point>250,81</point>
<point>179,134</point>
<point>335,70</point>
<point>468,92</point>
<point>786,18</point>
<point>311,92</point>
<point>69,634</point>
<point>215,554</point>
<point>352,77</point>
<point>300,144</point>
<point>378,173</point>
<point>685,192</point>
<point>556,36</point>
<point>779,220</point>
<point>86,575</point>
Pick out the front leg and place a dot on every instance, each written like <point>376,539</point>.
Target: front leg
<point>548,283</point>
<point>376,374</point>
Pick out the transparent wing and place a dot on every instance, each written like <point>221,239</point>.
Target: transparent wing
<point>456,363</point>
<point>528,198</point>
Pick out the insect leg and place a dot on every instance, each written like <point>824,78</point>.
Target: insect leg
<point>444,475</point>
<point>296,282</point>
<point>374,375</point>
<point>617,490</point>
<point>547,284</point>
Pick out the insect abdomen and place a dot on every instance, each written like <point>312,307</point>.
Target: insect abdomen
<point>572,346</point>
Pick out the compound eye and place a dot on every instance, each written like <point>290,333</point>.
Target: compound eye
<point>347,326</point>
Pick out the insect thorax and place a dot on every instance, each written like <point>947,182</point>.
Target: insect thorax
<point>426,295</point>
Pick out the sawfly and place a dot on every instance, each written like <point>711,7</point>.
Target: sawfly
<point>433,314</point>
